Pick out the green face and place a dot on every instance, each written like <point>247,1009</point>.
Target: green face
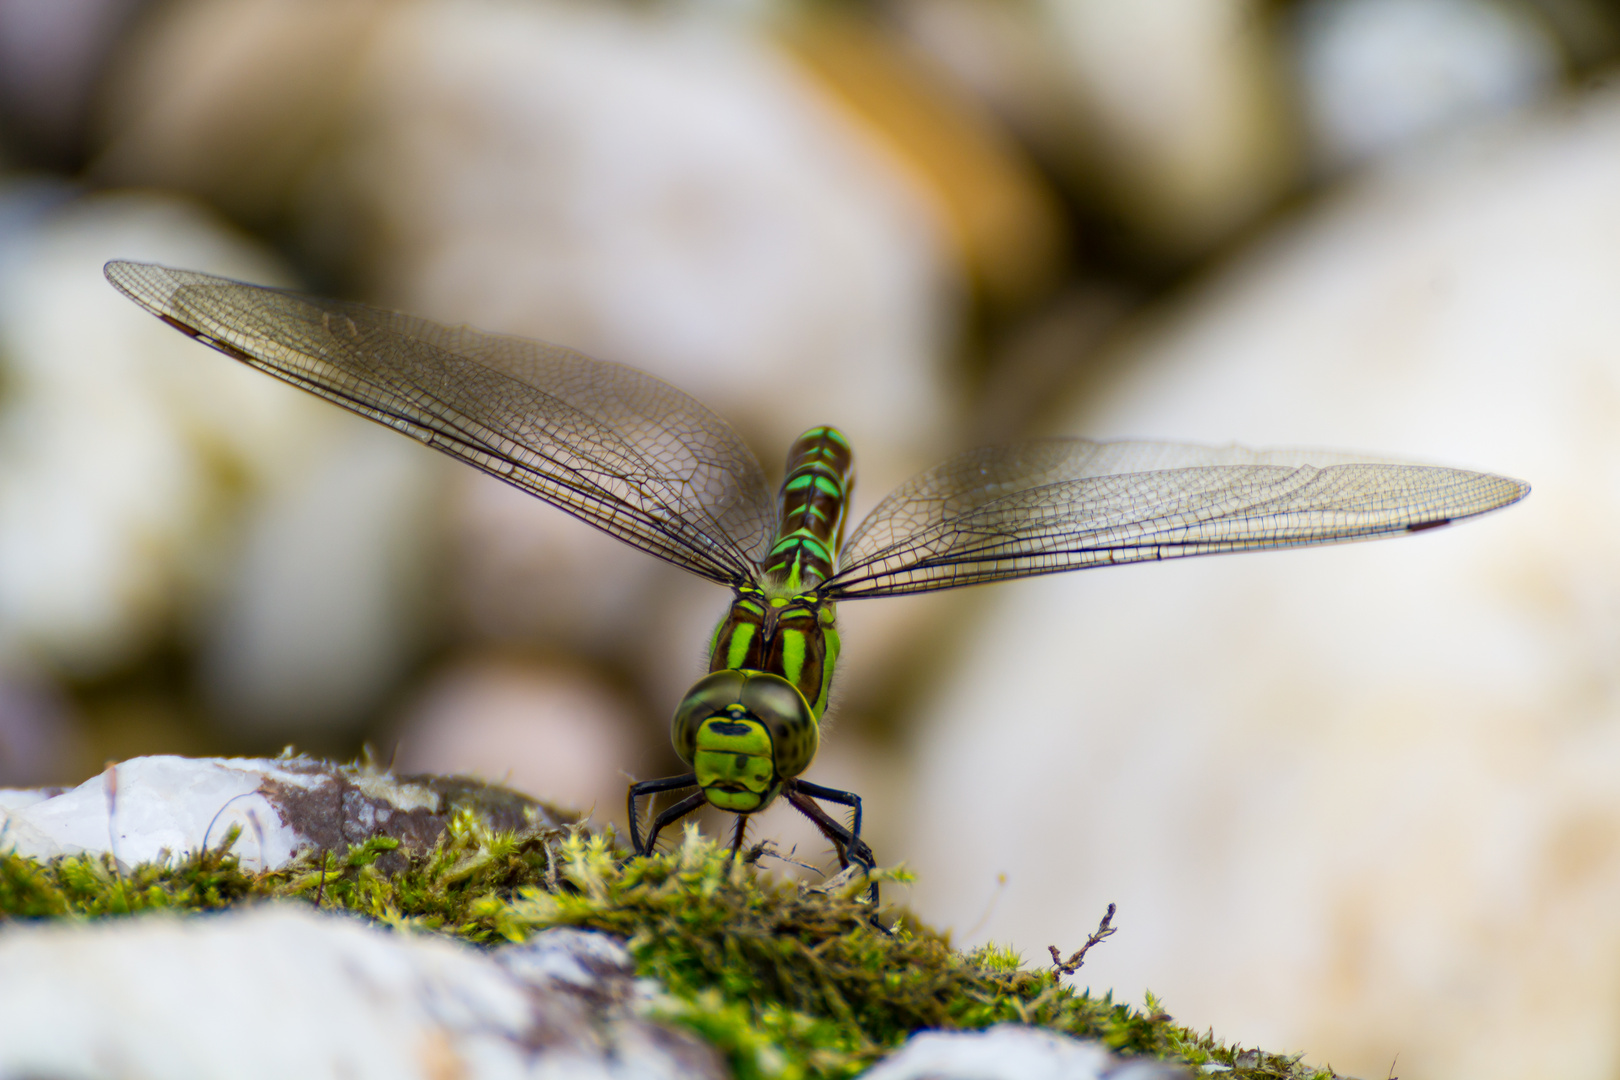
<point>744,733</point>
<point>733,763</point>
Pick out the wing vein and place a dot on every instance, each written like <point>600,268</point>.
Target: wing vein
<point>1056,505</point>
<point>612,446</point>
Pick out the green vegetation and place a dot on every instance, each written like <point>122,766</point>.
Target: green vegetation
<point>788,981</point>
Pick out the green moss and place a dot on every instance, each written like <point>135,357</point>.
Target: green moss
<point>471,866</point>
<point>787,981</point>
<point>90,887</point>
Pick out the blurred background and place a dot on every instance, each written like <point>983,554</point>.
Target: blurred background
<point>1362,802</point>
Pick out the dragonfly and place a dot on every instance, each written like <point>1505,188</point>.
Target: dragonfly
<point>651,465</point>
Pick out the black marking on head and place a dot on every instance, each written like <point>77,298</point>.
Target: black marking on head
<point>729,727</point>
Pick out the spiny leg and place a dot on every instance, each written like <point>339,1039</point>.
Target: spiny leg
<point>671,813</point>
<point>850,846</point>
<point>737,837</point>
<point>834,795</point>
<point>652,787</point>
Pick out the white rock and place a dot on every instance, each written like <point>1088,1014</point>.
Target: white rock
<point>18,798</point>
<point>1357,801</point>
<point>1186,99</point>
<point>155,809</point>
<point>566,957</point>
<point>1010,1052</point>
<point>666,192</point>
<point>282,991</point>
<point>1377,75</point>
<point>163,808</point>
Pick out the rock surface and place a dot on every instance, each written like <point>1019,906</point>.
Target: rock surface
<point>283,991</point>
<point>1012,1052</point>
<point>162,808</point>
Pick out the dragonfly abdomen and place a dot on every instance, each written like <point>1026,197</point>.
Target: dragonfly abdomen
<point>815,493</point>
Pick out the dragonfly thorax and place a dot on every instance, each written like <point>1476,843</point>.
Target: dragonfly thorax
<point>752,722</point>
<point>794,637</point>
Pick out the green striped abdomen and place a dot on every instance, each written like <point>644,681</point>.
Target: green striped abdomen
<point>815,493</point>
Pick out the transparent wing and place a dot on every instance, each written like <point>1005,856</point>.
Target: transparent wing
<point>615,447</point>
<point>1064,504</point>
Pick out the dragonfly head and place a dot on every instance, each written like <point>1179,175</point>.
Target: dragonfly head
<point>744,733</point>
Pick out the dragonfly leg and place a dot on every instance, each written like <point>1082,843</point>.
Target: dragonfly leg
<point>737,837</point>
<point>673,813</point>
<point>653,787</point>
<point>834,795</point>
<point>851,848</point>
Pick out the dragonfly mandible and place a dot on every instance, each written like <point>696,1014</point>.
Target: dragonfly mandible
<point>652,466</point>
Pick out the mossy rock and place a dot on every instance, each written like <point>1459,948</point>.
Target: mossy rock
<point>786,980</point>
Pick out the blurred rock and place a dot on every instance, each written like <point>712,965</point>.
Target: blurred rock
<point>194,998</point>
<point>555,734</point>
<point>151,489</point>
<point>660,193</point>
<point>1588,31</point>
<point>524,571</point>
<point>1000,52</point>
<point>40,737</point>
<point>660,189</point>
<point>1361,800</point>
<point>1377,75</point>
<point>1168,115</point>
<point>328,602</point>
<point>234,101</point>
<point>119,439</point>
<point>663,188</point>
<point>1033,367</point>
<point>51,52</point>
<point>1004,219</point>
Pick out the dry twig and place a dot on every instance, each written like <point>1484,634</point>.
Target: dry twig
<point>1073,963</point>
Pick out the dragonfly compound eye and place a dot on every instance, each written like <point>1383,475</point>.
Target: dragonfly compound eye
<point>743,733</point>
